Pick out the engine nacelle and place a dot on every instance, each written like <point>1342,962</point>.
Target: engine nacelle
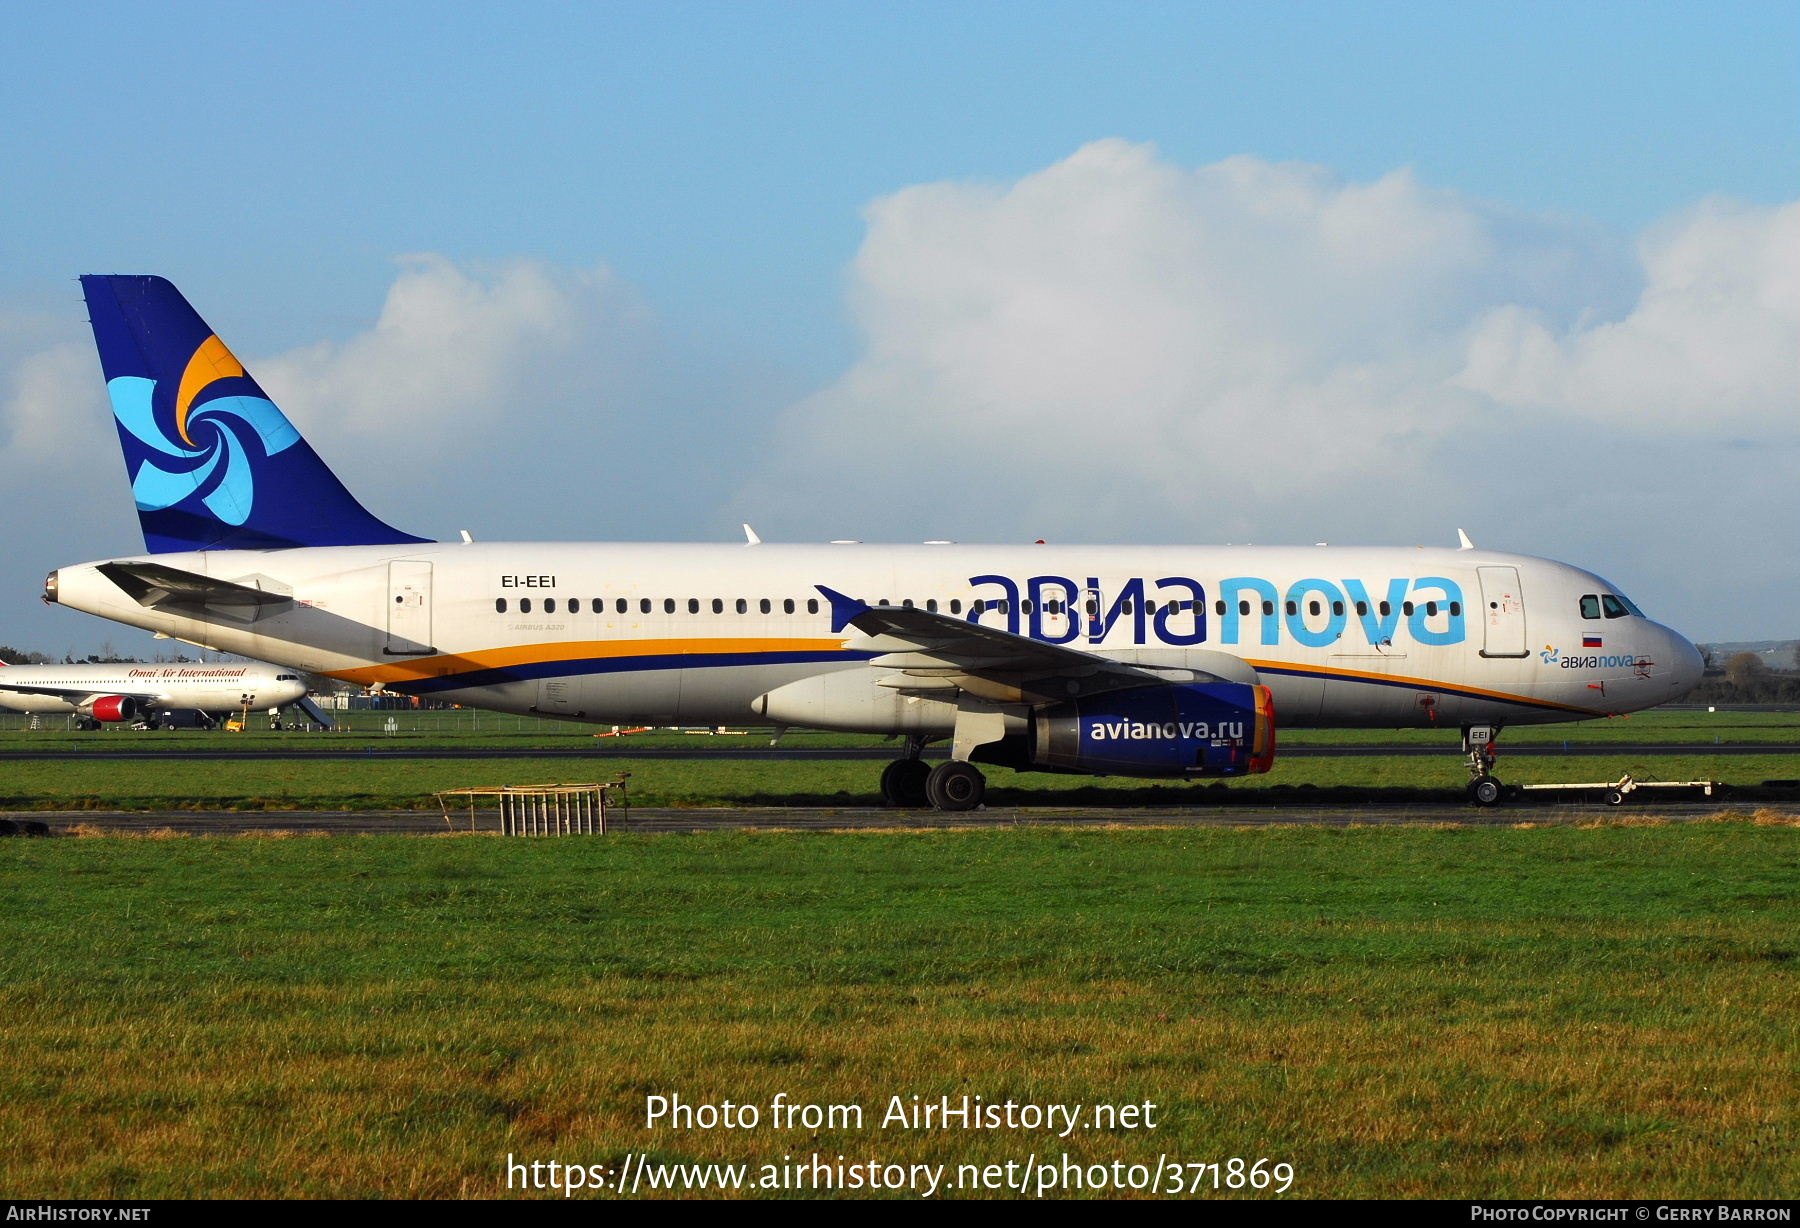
<point>1192,729</point>
<point>113,708</point>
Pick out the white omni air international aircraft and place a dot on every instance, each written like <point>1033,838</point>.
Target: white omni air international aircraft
<point>1164,661</point>
<point>147,691</point>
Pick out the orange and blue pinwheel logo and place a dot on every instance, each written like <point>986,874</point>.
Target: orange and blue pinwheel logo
<point>200,446</point>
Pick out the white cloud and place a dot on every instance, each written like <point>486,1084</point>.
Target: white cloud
<point>1118,346</point>
<point>458,353</point>
<point>1709,346</point>
<point>1116,331</point>
<point>50,406</point>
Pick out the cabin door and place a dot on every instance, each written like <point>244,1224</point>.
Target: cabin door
<point>1503,613</point>
<point>409,609</point>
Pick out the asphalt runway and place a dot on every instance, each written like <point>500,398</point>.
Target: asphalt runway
<point>644,819</point>
<point>872,754</point>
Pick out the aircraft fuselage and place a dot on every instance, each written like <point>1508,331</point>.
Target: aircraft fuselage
<point>697,633</point>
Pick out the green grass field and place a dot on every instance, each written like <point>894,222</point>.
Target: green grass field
<point>377,784</point>
<point>334,784</point>
<point>1604,1011</point>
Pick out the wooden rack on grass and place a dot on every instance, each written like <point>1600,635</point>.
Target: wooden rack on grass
<point>538,810</point>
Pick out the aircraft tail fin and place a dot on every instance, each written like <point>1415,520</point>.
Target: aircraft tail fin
<point>214,465</point>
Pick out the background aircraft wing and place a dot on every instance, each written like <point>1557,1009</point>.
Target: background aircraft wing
<point>79,695</point>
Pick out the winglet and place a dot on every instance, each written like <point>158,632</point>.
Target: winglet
<point>844,610</point>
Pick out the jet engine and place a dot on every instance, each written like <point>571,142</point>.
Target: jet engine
<point>1189,729</point>
<point>113,708</point>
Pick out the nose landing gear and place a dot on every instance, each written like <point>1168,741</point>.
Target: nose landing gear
<point>1478,741</point>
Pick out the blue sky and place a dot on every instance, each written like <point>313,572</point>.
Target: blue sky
<point>713,187</point>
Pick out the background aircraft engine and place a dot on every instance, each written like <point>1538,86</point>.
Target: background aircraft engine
<point>1197,729</point>
<point>114,708</point>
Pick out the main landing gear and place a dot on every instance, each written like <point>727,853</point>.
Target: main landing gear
<point>1478,741</point>
<point>955,785</point>
<point>912,784</point>
<point>903,783</point>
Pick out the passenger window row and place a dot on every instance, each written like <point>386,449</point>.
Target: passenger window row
<point>646,605</point>
<point>765,605</point>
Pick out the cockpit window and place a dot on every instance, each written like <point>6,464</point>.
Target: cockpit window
<point>1613,606</point>
<point>1590,606</point>
<point>1630,605</point>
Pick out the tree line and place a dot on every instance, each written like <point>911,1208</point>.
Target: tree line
<point>108,655</point>
<point>1745,678</point>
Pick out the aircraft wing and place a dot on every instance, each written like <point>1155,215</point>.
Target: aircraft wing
<point>931,652</point>
<point>79,695</point>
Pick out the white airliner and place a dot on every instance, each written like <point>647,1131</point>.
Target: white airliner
<point>145,691</point>
<point>1107,660</point>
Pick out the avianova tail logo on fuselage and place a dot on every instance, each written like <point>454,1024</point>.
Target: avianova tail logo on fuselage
<point>195,446</point>
<point>1176,610</point>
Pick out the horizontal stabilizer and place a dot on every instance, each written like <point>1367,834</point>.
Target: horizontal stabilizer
<point>153,584</point>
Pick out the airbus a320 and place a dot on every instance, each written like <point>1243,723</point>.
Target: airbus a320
<point>1143,661</point>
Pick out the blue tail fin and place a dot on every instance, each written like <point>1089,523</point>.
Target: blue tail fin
<point>213,464</point>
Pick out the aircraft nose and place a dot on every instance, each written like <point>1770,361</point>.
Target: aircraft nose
<point>1686,665</point>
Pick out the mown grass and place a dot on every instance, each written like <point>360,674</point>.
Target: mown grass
<point>379,784</point>
<point>1576,1012</point>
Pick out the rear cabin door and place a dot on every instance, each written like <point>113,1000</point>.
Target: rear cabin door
<point>1503,613</point>
<point>409,609</point>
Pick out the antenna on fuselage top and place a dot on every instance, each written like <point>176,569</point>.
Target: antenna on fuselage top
<point>1464,539</point>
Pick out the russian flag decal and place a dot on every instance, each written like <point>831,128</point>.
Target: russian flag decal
<point>1591,641</point>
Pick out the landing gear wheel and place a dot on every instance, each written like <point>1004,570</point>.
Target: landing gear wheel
<point>1485,791</point>
<point>1613,797</point>
<point>955,786</point>
<point>903,784</point>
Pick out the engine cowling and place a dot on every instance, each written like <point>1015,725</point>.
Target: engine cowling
<point>114,708</point>
<point>1185,729</point>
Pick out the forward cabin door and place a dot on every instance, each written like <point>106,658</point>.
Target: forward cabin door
<point>1503,613</point>
<point>409,609</point>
